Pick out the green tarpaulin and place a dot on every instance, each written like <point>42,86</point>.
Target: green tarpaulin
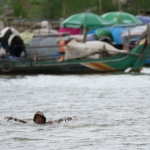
<point>88,19</point>
<point>121,18</point>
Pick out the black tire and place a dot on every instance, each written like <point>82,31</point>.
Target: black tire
<point>7,67</point>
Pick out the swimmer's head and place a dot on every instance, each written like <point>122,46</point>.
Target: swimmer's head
<point>39,118</point>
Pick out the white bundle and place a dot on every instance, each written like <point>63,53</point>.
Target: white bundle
<point>76,49</point>
<point>2,52</point>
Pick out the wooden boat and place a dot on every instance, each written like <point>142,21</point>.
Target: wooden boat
<point>147,61</point>
<point>134,58</point>
<point>132,36</point>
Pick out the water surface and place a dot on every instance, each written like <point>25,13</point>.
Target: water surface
<point>109,111</point>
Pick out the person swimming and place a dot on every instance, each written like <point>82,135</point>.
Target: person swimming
<point>39,118</point>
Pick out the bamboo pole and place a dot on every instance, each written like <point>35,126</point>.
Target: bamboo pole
<point>64,8</point>
<point>119,5</point>
<point>120,16</point>
<point>148,34</point>
<point>84,27</point>
<point>100,7</point>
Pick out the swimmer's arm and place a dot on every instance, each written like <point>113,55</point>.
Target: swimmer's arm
<point>50,122</point>
<point>60,120</point>
<point>15,119</point>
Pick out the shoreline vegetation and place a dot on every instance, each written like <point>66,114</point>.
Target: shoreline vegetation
<point>56,9</point>
<point>14,12</point>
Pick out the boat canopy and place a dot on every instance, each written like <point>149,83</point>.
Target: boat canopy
<point>45,45</point>
<point>144,19</point>
<point>135,33</point>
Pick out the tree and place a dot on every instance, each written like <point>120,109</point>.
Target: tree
<point>52,9</point>
<point>18,7</point>
<point>26,9</point>
<point>134,6</point>
<point>55,9</point>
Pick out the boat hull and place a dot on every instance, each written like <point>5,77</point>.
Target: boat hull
<point>72,67</point>
<point>119,62</point>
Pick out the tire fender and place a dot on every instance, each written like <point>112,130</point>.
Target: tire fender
<point>7,67</point>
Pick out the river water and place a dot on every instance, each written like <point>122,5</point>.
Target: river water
<point>109,111</point>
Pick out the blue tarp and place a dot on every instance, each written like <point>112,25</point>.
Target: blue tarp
<point>116,32</point>
<point>144,19</point>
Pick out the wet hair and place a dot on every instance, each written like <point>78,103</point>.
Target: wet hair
<point>40,114</point>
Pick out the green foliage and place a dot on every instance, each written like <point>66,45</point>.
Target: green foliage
<point>76,6</point>
<point>109,6</point>
<point>17,6</point>
<point>55,9</point>
<point>35,9</point>
<point>136,5</point>
<point>2,4</point>
<point>51,9</point>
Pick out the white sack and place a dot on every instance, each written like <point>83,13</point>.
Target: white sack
<point>76,49</point>
<point>2,52</point>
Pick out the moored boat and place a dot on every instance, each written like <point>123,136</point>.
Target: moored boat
<point>134,58</point>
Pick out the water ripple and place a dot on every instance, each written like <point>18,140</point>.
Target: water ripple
<point>109,111</point>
